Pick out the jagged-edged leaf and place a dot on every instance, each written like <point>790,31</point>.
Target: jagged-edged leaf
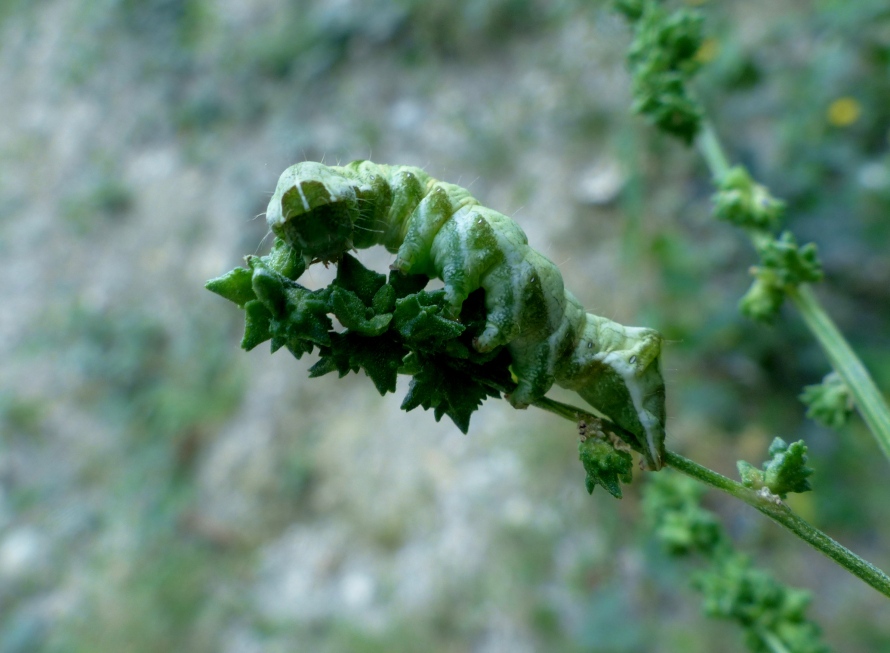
<point>605,465</point>
<point>234,285</point>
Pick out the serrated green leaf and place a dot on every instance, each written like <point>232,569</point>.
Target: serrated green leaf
<point>407,284</point>
<point>451,378</point>
<point>379,357</point>
<point>326,365</point>
<point>605,465</point>
<point>384,300</point>
<point>256,324</point>
<point>235,286</point>
<point>307,316</point>
<point>356,278</point>
<point>446,391</point>
<point>353,314</point>
<point>419,318</point>
<point>270,289</point>
<point>785,472</point>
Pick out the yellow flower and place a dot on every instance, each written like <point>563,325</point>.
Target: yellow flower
<point>708,50</point>
<point>844,111</point>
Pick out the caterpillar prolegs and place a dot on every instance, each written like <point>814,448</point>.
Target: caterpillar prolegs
<point>438,229</point>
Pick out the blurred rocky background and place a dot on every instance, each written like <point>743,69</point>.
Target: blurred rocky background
<point>161,490</point>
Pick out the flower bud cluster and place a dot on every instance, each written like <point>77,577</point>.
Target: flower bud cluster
<point>783,264</point>
<point>662,59</point>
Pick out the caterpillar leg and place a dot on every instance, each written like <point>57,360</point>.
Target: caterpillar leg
<point>532,366</point>
<point>464,251</point>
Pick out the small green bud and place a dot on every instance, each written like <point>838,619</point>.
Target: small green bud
<point>745,203</point>
<point>764,299</point>
<point>793,264</point>
<point>783,473</point>
<point>783,264</point>
<point>663,100</point>
<point>605,465</point>
<point>830,402</point>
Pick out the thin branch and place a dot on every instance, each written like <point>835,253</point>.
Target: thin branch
<point>868,399</point>
<point>768,504</point>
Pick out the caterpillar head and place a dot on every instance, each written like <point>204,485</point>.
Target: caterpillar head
<point>313,209</point>
<point>617,370</point>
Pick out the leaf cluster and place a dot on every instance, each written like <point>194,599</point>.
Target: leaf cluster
<point>772,614</point>
<point>390,326</point>
<point>663,59</point>
<point>743,202</point>
<point>786,470</point>
<point>783,264</point>
<point>605,465</point>
<point>673,510</point>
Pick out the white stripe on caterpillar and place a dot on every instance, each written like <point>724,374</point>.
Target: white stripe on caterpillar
<point>438,229</point>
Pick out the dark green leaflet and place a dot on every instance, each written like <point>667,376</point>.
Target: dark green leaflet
<point>440,230</point>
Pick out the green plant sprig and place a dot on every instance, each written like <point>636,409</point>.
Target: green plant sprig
<point>862,388</point>
<point>766,502</point>
<point>394,326</point>
<point>662,55</point>
<point>772,614</point>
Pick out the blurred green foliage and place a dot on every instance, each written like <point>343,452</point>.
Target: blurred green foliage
<point>772,615</point>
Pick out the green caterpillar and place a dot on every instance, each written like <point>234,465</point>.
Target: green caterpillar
<point>440,230</point>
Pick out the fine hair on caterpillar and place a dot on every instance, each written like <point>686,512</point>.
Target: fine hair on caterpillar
<point>438,229</point>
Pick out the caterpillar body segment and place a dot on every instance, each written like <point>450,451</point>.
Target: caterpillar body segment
<point>438,229</point>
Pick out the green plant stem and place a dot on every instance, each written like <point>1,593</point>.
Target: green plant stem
<point>868,399</point>
<point>865,393</point>
<point>769,505</point>
<point>782,514</point>
<point>772,641</point>
<point>711,149</point>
